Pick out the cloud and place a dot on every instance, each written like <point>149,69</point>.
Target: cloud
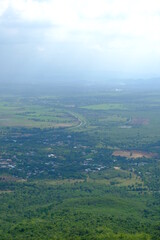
<point>3,6</point>
<point>137,18</point>
<point>122,34</point>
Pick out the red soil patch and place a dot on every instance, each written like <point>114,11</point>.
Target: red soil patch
<point>139,121</point>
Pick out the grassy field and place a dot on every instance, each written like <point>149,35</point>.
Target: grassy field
<point>106,107</point>
<point>19,113</point>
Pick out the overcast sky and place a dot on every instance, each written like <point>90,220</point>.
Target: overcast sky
<point>70,38</point>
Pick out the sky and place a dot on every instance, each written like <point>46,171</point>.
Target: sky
<point>79,39</point>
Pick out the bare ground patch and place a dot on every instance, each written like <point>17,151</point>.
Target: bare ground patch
<point>133,154</point>
<point>58,125</point>
<point>7,191</point>
<point>139,121</point>
<point>10,179</point>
